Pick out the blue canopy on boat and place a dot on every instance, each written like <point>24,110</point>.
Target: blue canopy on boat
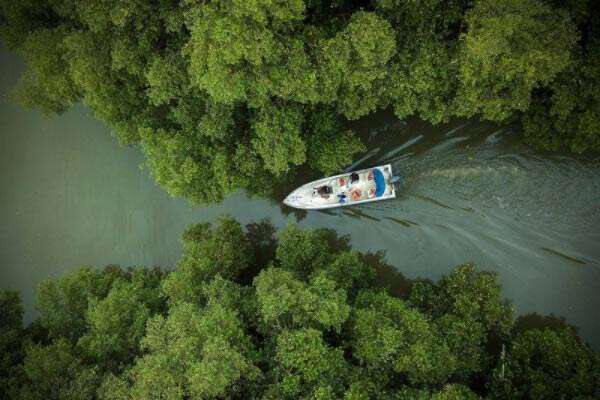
<point>379,182</point>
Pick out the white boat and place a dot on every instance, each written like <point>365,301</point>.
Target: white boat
<point>348,189</point>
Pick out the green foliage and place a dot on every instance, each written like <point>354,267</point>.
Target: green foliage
<point>350,272</point>
<point>455,294</point>
<point>203,353</point>
<point>93,322</point>
<point>286,302</point>
<point>115,96</point>
<point>302,251</point>
<point>512,47</point>
<point>63,303</point>
<point>167,79</point>
<point>178,162</point>
<point>11,333</point>
<point>466,339</point>
<point>47,83</point>
<point>570,117</point>
<point>330,147</point>
<point>305,366</point>
<point>449,392</point>
<point>423,19</point>
<point>427,85</point>
<point>223,250</point>
<point>390,337</point>
<point>117,323</point>
<point>354,64</point>
<point>306,319</point>
<point>470,313</point>
<point>547,364</point>
<point>233,43</point>
<point>423,75</point>
<point>55,372</point>
<point>243,94</point>
<point>18,19</point>
<point>277,138</point>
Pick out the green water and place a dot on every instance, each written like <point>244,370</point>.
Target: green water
<point>72,196</point>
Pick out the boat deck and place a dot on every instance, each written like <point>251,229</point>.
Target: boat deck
<point>372,184</point>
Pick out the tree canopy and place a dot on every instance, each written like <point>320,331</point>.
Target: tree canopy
<point>248,316</point>
<point>222,95</point>
<point>512,47</point>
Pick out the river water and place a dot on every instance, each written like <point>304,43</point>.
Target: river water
<point>71,196</point>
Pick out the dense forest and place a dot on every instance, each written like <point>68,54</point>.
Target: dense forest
<point>246,315</point>
<point>231,94</point>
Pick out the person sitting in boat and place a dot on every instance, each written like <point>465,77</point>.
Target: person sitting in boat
<point>345,181</point>
<point>324,191</point>
<point>356,194</point>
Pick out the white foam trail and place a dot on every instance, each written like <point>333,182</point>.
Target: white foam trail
<point>366,157</point>
<point>448,143</point>
<point>462,172</point>
<point>494,137</point>
<point>456,129</point>
<point>399,158</point>
<point>402,147</point>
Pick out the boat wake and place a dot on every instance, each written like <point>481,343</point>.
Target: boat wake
<point>471,192</point>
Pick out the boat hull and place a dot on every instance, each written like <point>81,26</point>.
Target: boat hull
<point>370,187</point>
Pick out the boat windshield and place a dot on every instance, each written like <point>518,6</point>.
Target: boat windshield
<point>379,182</point>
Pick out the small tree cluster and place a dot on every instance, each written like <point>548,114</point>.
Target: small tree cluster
<point>246,316</point>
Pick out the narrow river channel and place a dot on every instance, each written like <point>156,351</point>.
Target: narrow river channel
<point>71,196</point>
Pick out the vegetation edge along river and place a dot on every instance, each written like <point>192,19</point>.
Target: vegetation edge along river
<point>246,315</point>
<point>222,95</point>
<point>228,95</point>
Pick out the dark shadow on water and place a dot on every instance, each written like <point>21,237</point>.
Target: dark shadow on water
<point>282,187</point>
<point>299,214</point>
<point>564,256</point>
<point>404,222</point>
<point>328,212</point>
<point>349,214</point>
<point>355,211</point>
<point>261,236</point>
<point>387,276</point>
<point>336,242</point>
<point>536,321</point>
<point>432,201</point>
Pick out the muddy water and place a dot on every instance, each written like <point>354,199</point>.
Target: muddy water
<point>71,196</point>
